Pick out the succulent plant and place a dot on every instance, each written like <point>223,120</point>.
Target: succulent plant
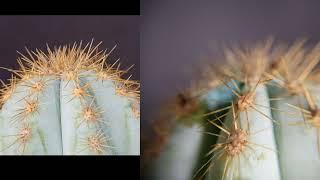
<point>259,119</point>
<point>69,101</point>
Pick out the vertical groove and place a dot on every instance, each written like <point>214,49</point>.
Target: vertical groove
<point>59,95</point>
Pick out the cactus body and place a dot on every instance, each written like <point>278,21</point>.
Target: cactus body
<point>69,102</point>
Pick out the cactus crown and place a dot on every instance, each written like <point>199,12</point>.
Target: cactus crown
<point>69,63</point>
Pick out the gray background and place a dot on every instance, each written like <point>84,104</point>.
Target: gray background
<point>176,35</point>
<point>18,31</point>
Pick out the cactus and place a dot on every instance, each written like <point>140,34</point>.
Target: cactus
<point>259,119</point>
<point>69,101</point>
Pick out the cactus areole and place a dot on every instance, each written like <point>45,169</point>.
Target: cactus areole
<point>261,122</point>
<point>69,101</point>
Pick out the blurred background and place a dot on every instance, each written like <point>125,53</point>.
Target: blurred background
<point>18,32</point>
<point>179,35</point>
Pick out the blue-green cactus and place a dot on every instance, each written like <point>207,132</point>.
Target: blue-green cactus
<point>69,102</point>
<point>269,129</point>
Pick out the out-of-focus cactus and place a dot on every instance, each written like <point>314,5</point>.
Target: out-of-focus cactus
<point>260,120</point>
<point>69,101</point>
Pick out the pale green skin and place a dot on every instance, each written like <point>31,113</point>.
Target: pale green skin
<point>181,153</point>
<point>297,144</point>
<point>56,129</point>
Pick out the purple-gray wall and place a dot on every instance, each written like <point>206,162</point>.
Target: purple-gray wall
<point>18,31</point>
<point>178,34</point>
